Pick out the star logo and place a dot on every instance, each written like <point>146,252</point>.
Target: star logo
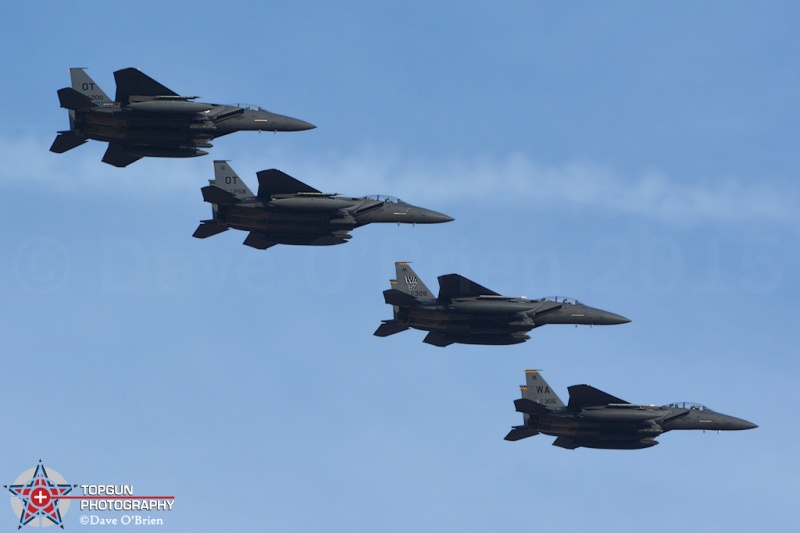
<point>37,497</point>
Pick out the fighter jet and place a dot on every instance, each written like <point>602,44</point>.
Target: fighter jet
<point>468,313</point>
<point>146,119</point>
<point>594,419</point>
<point>287,211</point>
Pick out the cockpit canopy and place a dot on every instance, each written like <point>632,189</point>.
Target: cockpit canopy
<point>688,405</point>
<point>556,299</point>
<point>383,198</point>
<point>249,107</point>
<point>562,300</point>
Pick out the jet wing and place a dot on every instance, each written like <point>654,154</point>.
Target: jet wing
<point>566,442</point>
<point>437,339</point>
<point>132,82</point>
<point>274,181</point>
<point>456,286</point>
<point>115,155</point>
<point>587,396</point>
<point>259,241</point>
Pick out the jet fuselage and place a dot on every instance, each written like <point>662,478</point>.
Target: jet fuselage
<point>629,426</point>
<point>306,215</point>
<point>468,313</point>
<point>595,419</point>
<point>288,211</point>
<point>146,119</point>
<point>172,124</point>
<point>500,316</point>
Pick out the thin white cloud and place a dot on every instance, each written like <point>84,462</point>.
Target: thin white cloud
<point>30,167</point>
<point>515,180</point>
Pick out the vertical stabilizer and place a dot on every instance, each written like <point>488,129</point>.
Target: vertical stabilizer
<point>226,179</point>
<point>85,85</point>
<point>523,389</point>
<point>409,283</point>
<point>537,389</point>
<point>395,309</point>
<point>535,403</point>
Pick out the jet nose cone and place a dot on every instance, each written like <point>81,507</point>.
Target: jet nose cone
<point>284,123</point>
<point>418,215</point>
<point>295,124</point>
<point>605,318</point>
<point>436,218</point>
<point>742,424</point>
<point>621,319</point>
<point>302,125</point>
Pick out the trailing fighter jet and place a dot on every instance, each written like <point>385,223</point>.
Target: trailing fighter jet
<point>594,419</point>
<point>287,211</point>
<point>146,119</point>
<point>468,313</point>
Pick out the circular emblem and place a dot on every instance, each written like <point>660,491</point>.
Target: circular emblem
<point>35,497</point>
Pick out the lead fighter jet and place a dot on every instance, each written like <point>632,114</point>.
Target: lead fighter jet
<point>287,211</point>
<point>468,313</point>
<point>146,119</point>
<point>594,419</point>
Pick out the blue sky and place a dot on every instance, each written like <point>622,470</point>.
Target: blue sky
<point>641,158</point>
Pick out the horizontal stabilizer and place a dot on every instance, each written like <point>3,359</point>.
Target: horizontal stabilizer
<point>132,82</point>
<point>208,229</point>
<point>390,327</point>
<point>69,98</point>
<point>587,396</point>
<point>456,286</point>
<point>66,141</point>
<point>528,406</point>
<point>437,339</point>
<point>519,433</point>
<point>258,241</point>
<point>117,156</point>
<point>399,298</point>
<point>215,195</point>
<point>274,181</point>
